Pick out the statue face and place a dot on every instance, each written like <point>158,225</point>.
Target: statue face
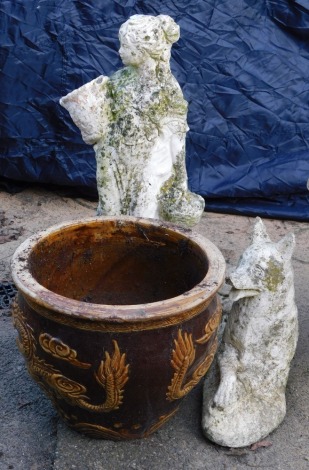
<point>131,54</point>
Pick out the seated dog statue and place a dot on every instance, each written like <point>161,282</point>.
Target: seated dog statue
<point>258,345</point>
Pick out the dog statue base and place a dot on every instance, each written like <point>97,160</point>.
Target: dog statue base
<point>258,345</point>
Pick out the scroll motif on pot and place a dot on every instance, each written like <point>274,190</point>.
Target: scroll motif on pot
<point>60,350</point>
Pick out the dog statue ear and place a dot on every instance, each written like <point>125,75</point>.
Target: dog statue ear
<point>259,232</point>
<point>286,245</point>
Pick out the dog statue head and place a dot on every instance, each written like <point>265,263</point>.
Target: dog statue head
<point>264,266</point>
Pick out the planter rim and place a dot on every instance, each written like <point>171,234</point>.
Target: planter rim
<point>141,313</point>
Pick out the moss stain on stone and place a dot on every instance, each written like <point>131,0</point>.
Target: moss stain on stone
<point>274,275</point>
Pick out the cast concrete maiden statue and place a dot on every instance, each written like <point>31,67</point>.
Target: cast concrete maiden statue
<point>136,121</point>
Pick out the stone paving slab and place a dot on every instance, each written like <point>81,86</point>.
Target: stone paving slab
<point>33,438</point>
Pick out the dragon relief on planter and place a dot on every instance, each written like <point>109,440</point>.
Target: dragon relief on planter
<point>112,373</point>
<point>183,356</point>
<point>211,326</point>
<point>25,342</point>
<point>101,432</point>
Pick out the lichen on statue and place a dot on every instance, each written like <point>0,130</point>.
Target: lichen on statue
<point>137,121</point>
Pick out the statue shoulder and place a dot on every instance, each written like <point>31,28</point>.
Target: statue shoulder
<point>122,78</point>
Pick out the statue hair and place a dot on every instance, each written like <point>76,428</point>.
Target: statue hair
<point>154,34</point>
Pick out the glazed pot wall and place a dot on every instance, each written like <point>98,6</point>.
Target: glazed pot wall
<point>117,371</point>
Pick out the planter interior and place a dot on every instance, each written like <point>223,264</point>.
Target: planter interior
<point>113,265</point>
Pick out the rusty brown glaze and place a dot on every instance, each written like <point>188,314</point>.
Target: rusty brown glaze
<point>117,319</point>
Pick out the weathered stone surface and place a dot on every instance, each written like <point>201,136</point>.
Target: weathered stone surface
<point>258,345</point>
<point>137,122</point>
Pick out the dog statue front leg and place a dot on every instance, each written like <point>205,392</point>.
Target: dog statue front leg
<point>226,393</point>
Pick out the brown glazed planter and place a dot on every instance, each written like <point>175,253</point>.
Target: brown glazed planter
<point>117,319</point>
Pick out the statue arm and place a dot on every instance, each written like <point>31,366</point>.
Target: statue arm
<point>89,109</point>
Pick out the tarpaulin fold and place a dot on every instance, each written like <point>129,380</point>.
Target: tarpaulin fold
<point>243,67</point>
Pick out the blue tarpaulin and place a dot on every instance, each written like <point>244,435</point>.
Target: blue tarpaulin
<point>243,66</point>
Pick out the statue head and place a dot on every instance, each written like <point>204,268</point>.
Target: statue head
<point>143,36</point>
